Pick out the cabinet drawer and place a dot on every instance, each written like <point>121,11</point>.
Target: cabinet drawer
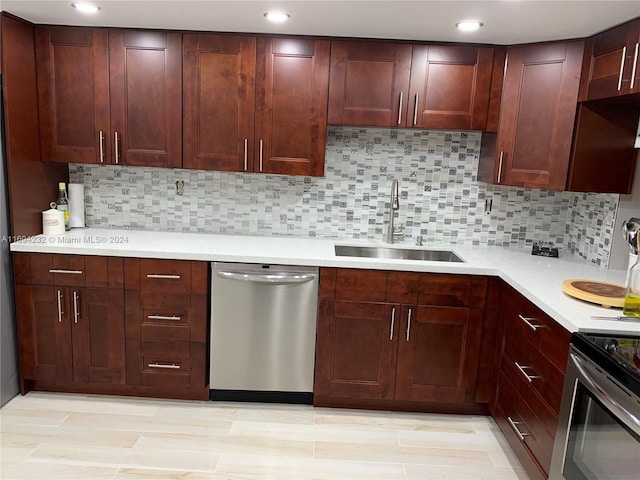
<point>527,322</point>
<point>166,316</point>
<point>451,290</point>
<point>166,366</point>
<point>168,276</point>
<point>360,285</point>
<point>531,364</point>
<point>546,414</point>
<point>521,418</point>
<point>68,270</point>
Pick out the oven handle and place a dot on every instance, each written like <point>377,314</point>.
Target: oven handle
<point>584,376</point>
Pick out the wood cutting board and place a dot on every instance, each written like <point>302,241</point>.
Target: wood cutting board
<point>602,293</point>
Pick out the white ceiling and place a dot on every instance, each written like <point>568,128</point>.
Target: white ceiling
<point>505,22</point>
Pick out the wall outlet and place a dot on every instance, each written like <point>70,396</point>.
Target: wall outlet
<point>180,187</point>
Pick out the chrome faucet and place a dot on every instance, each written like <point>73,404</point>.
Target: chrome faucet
<point>394,205</point>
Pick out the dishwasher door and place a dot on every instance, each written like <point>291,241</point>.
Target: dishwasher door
<point>263,331</point>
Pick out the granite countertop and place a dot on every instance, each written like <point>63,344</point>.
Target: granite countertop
<point>537,278</point>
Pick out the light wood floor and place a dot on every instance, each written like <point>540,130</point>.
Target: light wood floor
<point>64,436</point>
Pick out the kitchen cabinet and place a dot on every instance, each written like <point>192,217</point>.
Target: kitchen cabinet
<point>611,66</point>
<point>404,85</point>
<point>109,96</point>
<point>255,105</point>
<point>546,139</point>
<point>532,363</point>
<point>397,337</point>
<point>166,326</point>
<point>69,312</point>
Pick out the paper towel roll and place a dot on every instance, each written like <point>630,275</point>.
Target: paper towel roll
<point>76,205</point>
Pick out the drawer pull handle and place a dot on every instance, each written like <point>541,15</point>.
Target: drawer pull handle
<point>164,317</point>
<point>60,312</point>
<point>76,312</point>
<point>524,373</point>
<point>74,272</point>
<point>159,275</point>
<point>408,324</point>
<point>624,57</point>
<point>528,320</point>
<point>172,366</point>
<point>393,321</point>
<point>514,425</point>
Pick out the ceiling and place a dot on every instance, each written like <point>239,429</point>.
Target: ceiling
<point>505,22</point>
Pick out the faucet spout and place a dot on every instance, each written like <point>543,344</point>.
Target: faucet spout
<point>394,204</point>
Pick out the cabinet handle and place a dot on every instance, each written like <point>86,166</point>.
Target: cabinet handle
<point>246,155</point>
<point>164,365</point>
<point>514,425</point>
<point>393,321</point>
<point>500,166</point>
<point>60,312</point>
<point>527,321</point>
<point>524,373</point>
<point>261,155</point>
<point>164,317</point>
<point>76,314</point>
<point>408,324</point>
<point>400,109</point>
<point>159,275</point>
<point>624,56</point>
<point>74,272</point>
<point>415,111</point>
<point>101,146</point>
<point>117,147</point>
<point>635,65</point>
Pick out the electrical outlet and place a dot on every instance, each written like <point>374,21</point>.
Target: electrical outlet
<point>488,205</point>
<point>180,187</point>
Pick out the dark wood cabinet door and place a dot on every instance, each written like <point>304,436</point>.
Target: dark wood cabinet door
<point>219,100</point>
<point>97,321</point>
<point>539,104</point>
<point>611,57</point>
<point>450,87</point>
<point>73,94</point>
<point>146,98</point>
<point>292,81</point>
<point>356,350</point>
<point>438,354</point>
<point>369,83</point>
<point>44,333</point>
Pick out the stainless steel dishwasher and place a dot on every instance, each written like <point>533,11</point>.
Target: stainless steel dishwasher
<point>263,331</point>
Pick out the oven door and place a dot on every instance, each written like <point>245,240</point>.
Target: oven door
<point>598,436</point>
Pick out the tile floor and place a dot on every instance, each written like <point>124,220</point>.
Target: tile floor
<point>65,436</point>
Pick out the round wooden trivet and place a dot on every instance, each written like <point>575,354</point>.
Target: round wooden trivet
<point>602,293</point>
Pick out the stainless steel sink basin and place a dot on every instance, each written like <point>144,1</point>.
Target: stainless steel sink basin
<point>397,253</point>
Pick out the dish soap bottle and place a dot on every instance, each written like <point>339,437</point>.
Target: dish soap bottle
<point>63,204</point>
<point>632,298</point>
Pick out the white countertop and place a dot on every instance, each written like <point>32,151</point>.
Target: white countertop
<point>537,278</point>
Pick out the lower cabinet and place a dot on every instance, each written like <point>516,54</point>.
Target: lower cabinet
<point>83,328</point>
<point>70,334</point>
<point>374,351</point>
<point>532,364</point>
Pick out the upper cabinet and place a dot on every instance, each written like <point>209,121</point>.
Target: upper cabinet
<point>450,87</point>
<point>396,84</point>
<point>539,101</point>
<point>219,101</point>
<point>109,96</point>
<point>611,65</point>
<point>546,139</point>
<point>255,105</point>
<point>292,86</point>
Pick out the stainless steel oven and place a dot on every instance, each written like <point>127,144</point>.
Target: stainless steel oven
<point>598,435</point>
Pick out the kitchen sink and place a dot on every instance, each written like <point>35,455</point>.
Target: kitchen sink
<point>397,253</point>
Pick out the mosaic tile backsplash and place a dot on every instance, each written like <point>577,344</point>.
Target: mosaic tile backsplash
<point>440,197</point>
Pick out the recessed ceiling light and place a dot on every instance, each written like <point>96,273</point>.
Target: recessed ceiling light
<point>85,7</point>
<point>469,25</point>
<point>277,17</point>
